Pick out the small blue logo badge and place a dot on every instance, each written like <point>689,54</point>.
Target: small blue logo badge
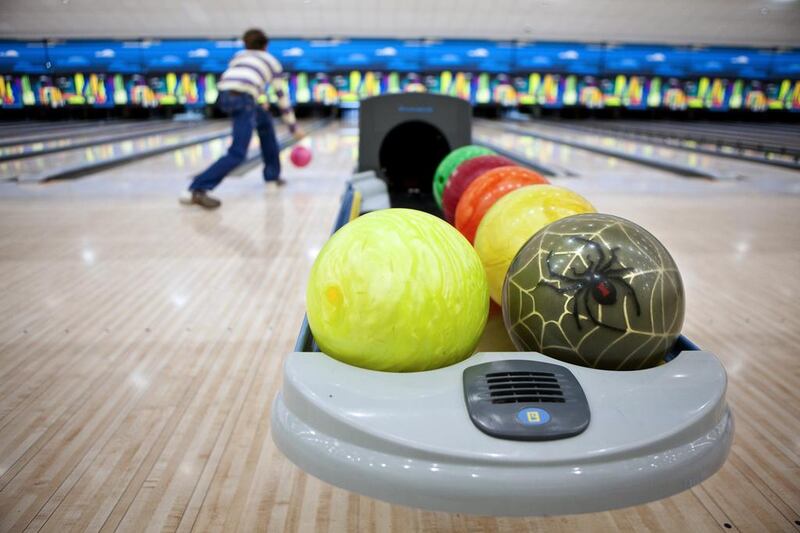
<point>533,416</point>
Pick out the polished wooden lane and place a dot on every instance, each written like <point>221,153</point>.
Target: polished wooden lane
<point>141,345</point>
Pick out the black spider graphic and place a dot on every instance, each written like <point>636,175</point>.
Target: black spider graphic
<point>597,280</point>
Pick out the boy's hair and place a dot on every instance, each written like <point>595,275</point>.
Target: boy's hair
<point>255,39</point>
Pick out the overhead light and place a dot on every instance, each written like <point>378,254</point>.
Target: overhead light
<point>478,52</point>
<point>88,256</point>
<point>292,52</point>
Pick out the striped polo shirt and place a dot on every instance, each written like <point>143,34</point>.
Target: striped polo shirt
<point>251,71</point>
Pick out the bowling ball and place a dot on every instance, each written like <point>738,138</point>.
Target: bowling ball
<point>300,156</point>
<point>397,290</point>
<point>487,189</point>
<point>449,164</point>
<point>463,175</point>
<point>595,290</point>
<point>514,219</point>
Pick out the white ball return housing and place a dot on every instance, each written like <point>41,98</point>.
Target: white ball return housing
<point>617,439</point>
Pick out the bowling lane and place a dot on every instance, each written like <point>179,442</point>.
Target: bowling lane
<point>334,149</point>
<point>14,129</point>
<point>91,130</point>
<point>103,151</point>
<point>164,176</point>
<point>775,135</point>
<point>757,141</point>
<point>598,173</point>
<point>99,134</point>
<point>727,167</point>
<point>63,129</point>
<point>584,163</point>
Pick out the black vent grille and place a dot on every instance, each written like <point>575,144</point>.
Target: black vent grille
<point>524,387</point>
<point>502,397</point>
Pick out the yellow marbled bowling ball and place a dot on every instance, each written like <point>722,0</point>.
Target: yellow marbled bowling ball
<point>514,219</point>
<point>397,290</point>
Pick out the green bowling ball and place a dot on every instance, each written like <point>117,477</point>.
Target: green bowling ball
<point>594,290</point>
<point>449,164</point>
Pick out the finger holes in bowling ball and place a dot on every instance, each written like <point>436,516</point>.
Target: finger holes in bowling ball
<point>408,157</point>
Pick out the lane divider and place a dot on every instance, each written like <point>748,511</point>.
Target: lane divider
<point>85,144</point>
<point>661,164</point>
<point>544,170</point>
<point>685,143</point>
<point>84,169</point>
<point>82,131</point>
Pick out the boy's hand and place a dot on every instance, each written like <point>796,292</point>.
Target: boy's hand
<point>298,134</point>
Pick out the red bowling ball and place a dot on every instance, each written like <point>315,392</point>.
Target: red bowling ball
<point>300,156</point>
<point>463,175</point>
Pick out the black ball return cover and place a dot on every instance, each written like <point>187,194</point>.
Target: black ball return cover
<point>404,137</point>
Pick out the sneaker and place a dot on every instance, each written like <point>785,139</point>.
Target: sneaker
<point>280,182</point>
<point>200,198</point>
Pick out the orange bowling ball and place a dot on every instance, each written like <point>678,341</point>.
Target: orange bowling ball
<point>486,190</point>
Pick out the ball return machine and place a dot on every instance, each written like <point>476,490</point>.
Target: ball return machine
<point>441,440</point>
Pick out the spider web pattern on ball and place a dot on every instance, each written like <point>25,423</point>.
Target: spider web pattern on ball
<point>599,336</point>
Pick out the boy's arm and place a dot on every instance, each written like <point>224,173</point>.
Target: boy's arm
<point>285,106</point>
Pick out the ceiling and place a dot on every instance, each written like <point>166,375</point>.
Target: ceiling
<point>734,22</point>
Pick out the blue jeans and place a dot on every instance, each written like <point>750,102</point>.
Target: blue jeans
<point>246,115</point>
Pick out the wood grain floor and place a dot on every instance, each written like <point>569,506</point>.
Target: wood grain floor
<point>141,346</point>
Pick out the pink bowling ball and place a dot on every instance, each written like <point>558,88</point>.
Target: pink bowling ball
<point>300,156</point>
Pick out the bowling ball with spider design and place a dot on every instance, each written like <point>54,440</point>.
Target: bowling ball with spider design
<point>594,290</point>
